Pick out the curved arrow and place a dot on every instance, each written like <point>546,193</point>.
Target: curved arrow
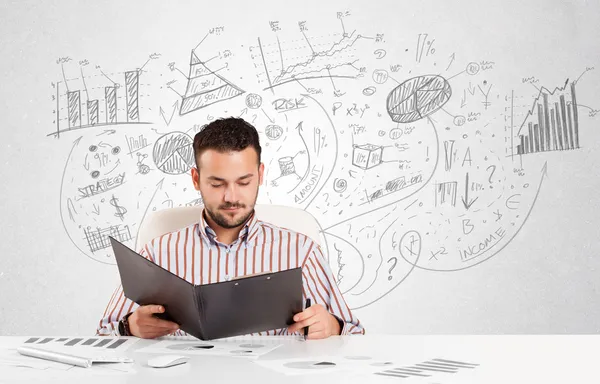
<point>62,217</point>
<point>544,172</point>
<point>336,148</point>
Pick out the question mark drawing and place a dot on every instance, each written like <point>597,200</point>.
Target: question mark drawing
<point>491,174</point>
<point>326,197</point>
<point>380,53</point>
<point>392,267</point>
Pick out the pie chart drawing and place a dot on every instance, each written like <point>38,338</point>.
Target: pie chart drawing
<point>173,153</point>
<point>417,98</point>
<point>190,347</point>
<point>310,365</point>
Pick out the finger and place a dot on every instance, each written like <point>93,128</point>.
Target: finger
<point>302,324</point>
<point>150,309</point>
<point>153,322</point>
<point>308,312</point>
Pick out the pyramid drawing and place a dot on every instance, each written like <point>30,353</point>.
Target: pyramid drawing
<point>205,87</point>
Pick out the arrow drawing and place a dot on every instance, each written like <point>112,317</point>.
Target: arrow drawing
<point>162,113</point>
<point>465,198</point>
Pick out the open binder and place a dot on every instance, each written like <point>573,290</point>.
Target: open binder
<point>211,311</point>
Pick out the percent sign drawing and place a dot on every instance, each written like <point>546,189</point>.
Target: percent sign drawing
<point>421,43</point>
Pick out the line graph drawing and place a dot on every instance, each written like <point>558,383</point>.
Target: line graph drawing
<point>303,59</point>
<point>551,125</point>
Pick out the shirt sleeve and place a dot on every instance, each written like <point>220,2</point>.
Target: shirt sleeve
<point>118,305</point>
<point>319,284</point>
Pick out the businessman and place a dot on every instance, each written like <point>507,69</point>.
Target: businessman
<point>229,241</point>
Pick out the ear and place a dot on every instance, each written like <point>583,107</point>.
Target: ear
<point>196,178</point>
<point>261,171</point>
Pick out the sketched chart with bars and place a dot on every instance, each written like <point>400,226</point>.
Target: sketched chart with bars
<point>97,100</point>
<point>550,124</point>
<point>433,368</point>
<point>108,343</point>
<point>306,58</point>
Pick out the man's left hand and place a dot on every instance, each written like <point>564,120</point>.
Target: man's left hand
<point>321,324</point>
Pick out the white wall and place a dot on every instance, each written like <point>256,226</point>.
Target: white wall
<point>537,271</point>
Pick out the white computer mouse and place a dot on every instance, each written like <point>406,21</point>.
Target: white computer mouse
<point>164,361</point>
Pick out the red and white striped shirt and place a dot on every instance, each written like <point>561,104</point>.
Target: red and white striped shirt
<point>194,254</point>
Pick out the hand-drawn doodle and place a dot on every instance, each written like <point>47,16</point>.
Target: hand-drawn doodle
<point>554,128</point>
<point>424,45</point>
<point>121,211</point>
<point>417,98</point>
<point>369,91</point>
<point>298,60</point>
<point>367,178</point>
<point>253,101</point>
<point>367,156</point>
<point>205,87</point>
<point>445,193</point>
<point>142,168</point>
<point>173,153</point>
<point>340,185</point>
<point>93,100</point>
<point>98,240</point>
<point>273,131</point>
<point>380,76</point>
<point>485,93</point>
<point>314,148</point>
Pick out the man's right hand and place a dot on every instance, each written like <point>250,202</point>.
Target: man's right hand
<point>143,324</point>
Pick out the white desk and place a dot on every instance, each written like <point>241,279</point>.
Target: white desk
<point>502,359</point>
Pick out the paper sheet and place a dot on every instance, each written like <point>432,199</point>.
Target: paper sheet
<point>12,361</point>
<point>363,364</point>
<point>248,347</point>
<point>98,343</point>
<point>326,364</point>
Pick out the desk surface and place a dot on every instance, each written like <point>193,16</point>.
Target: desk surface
<point>501,359</point>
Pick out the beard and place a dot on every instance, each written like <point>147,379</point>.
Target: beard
<point>223,219</point>
<point>226,222</point>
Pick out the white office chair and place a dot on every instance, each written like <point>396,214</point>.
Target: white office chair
<point>168,220</point>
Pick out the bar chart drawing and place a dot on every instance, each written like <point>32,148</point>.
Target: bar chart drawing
<point>552,123</point>
<point>76,342</point>
<point>99,104</point>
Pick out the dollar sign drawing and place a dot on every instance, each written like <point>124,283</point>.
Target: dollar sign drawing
<point>121,211</point>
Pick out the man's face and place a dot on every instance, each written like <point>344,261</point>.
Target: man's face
<point>228,183</point>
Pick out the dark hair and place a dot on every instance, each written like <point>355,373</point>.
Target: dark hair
<point>224,135</point>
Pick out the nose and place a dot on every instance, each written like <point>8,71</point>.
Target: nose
<point>230,193</point>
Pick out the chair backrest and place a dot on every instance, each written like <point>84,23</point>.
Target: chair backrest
<point>158,223</point>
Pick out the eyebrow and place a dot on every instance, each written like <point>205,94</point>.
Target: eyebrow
<point>221,179</point>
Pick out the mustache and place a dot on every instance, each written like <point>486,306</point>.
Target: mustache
<point>232,205</point>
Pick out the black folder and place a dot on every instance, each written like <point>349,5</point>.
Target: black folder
<point>211,311</point>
